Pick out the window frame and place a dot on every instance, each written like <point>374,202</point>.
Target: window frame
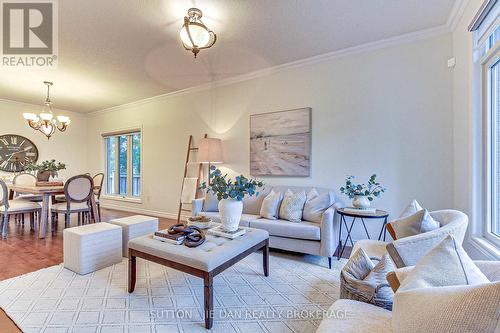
<point>490,58</point>
<point>129,132</point>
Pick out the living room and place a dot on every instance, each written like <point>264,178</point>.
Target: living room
<point>295,95</point>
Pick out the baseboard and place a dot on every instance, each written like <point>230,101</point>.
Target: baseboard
<point>155,213</point>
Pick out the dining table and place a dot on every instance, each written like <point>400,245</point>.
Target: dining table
<point>47,192</point>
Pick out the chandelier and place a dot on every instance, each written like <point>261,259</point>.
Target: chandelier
<point>45,121</point>
<point>195,35</point>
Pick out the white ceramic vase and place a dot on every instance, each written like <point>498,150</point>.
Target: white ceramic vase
<point>230,213</point>
<point>361,202</point>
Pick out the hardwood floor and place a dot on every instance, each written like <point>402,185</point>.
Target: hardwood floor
<point>24,252</point>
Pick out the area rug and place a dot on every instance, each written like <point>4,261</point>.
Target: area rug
<point>294,298</point>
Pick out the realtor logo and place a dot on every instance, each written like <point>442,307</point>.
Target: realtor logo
<point>29,33</point>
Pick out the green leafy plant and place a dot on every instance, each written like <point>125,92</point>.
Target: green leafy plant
<point>371,190</point>
<point>227,188</point>
<point>51,166</point>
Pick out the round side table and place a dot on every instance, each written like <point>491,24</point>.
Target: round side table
<point>379,214</point>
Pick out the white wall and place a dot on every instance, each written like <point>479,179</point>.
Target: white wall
<point>69,147</point>
<point>385,111</point>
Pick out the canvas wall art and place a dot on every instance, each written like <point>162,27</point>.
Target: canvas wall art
<point>280,143</point>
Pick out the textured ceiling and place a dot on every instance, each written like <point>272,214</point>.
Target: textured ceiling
<point>118,51</point>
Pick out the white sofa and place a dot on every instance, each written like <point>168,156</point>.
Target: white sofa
<point>304,237</point>
<point>348,316</point>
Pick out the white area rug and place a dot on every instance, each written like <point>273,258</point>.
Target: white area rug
<point>292,299</point>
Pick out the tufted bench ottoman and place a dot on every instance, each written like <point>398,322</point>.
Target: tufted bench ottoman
<point>135,226</point>
<point>204,261</point>
<point>91,247</point>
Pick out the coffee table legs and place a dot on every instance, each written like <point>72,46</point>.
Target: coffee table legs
<point>265,258</point>
<point>209,300</point>
<point>132,271</point>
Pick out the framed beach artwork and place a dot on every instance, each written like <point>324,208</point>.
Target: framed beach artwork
<point>280,143</point>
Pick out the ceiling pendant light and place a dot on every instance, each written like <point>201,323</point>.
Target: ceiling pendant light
<point>45,121</point>
<point>195,35</point>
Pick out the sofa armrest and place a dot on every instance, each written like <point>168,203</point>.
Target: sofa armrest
<point>197,206</point>
<point>329,231</point>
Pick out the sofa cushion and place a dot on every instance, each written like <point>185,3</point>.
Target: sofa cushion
<point>415,224</point>
<point>348,316</point>
<point>292,206</point>
<point>316,205</point>
<point>451,309</point>
<point>210,204</point>
<point>244,222</point>
<point>284,228</point>
<point>271,206</point>
<point>411,209</point>
<point>251,205</point>
<point>447,264</point>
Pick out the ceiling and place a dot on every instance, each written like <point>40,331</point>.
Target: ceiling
<point>118,51</point>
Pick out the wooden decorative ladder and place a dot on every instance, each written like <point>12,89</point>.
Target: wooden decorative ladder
<point>191,148</point>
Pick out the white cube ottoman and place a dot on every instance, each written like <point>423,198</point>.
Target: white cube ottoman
<point>135,226</point>
<point>91,247</point>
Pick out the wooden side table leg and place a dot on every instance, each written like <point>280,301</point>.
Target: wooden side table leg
<point>209,300</point>
<point>265,258</point>
<point>132,272</point>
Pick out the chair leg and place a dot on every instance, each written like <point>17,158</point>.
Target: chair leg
<point>32,220</point>
<point>99,210</point>
<point>1,225</point>
<point>330,262</point>
<point>79,218</point>
<point>5,225</point>
<point>22,219</point>
<point>67,220</point>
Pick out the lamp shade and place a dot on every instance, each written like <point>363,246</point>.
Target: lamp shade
<point>210,150</point>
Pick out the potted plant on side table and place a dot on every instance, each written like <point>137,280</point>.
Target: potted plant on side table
<point>46,169</point>
<point>230,194</point>
<point>362,194</point>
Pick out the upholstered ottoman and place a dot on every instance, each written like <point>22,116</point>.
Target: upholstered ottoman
<point>91,247</point>
<point>135,226</point>
<point>205,261</point>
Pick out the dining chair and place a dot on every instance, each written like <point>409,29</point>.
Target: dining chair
<point>97,181</point>
<point>62,197</point>
<point>77,192</point>
<point>14,207</point>
<point>26,179</point>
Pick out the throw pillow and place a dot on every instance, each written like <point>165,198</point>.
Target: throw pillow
<point>292,206</point>
<point>210,204</point>
<point>359,264</point>
<point>451,309</point>
<point>377,278</point>
<point>316,205</point>
<point>270,205</point>
<point>447,264</point>
<point>415,224</point>
<point>411,209</point>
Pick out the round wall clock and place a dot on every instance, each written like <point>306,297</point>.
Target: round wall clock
<point>16,152</point>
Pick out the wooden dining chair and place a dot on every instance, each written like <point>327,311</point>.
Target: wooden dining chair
<point>26,179</point>
<point>15,207</point>
<point>97,181</point>
<point>77,191</point>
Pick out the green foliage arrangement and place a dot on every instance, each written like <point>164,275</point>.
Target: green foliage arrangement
<point>51,166</point>
<point>227,188</point>
<point>371,190</point>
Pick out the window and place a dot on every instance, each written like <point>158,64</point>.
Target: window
<point>123,164</point>
<point>488,56</point>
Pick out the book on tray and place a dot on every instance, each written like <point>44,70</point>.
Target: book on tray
<point>219,231</point>
<point>164,236</point>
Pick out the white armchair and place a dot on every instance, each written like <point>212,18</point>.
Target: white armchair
<point>407,251</point>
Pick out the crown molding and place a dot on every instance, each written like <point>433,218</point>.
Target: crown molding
<point>25,104</point>
<point>456,14</point>
<point>359,49</point>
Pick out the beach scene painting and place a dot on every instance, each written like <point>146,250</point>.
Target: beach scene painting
<point>280,143</point>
